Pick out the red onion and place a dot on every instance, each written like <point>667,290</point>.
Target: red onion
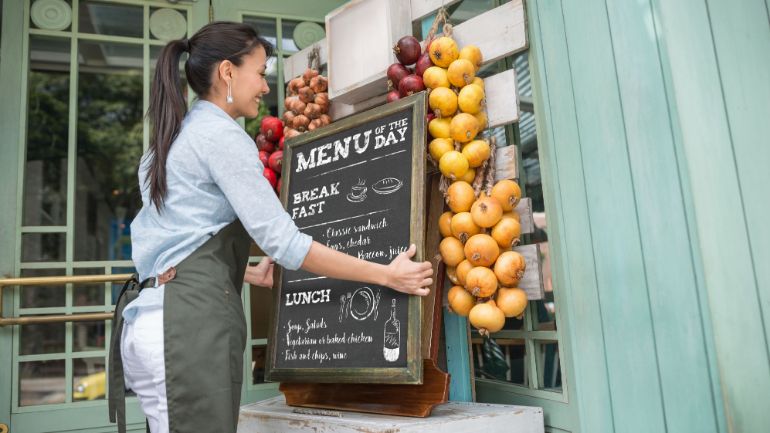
<point>396,72</point>
<point>423,63</point>
<point>407,50</point>
<point>393,95</point>
<point>410,84</point>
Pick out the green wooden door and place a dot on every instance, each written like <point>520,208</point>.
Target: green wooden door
<point>76,79</point>
<point>289,26</point>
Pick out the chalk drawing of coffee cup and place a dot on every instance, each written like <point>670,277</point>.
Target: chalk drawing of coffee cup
<point>357,192</point>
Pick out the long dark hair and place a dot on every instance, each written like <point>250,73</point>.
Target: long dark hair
<point>212,44</point>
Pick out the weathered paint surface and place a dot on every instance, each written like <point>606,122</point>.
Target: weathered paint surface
<point>653,125</point>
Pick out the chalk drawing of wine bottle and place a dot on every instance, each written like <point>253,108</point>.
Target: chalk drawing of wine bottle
<point>392,335</point>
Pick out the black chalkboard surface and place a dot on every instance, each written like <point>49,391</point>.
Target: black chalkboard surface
<point>357,187</point>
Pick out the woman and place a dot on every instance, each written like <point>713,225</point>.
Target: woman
<point>180,339</point>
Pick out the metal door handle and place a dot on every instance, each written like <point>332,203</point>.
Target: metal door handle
<point>59,318</point>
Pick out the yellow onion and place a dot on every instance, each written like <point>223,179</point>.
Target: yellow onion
<point>444,222</point>
<point>463,127</point>
<point>481,250</point>
<point>486,211</point>
<point>507,193</point>
<point>435,77</point>
<point>439,127</point>
<point>481,282</point>
<point>443,51</point>
<point>460,301</point>
<point>461,72</point>
<point>470,99</point>
<point>443,102</point>
<point>469,175</point>
<point>439,146</point>
<point>453,165</point>
<point>506,232</point>
<point>476,152</point>
<point>462,271</point>
<point>451,273</point>
<point>451,250</point>
<point>460,196</point>
<point>472,53</point>
<point>487,318</point>
<point>509,268</point>
<point>511,301</point>
<point>463,227</point>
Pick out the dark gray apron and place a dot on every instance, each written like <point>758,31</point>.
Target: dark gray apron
<point>204,335</point>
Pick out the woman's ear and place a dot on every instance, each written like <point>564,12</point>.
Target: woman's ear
<point>225,70</point>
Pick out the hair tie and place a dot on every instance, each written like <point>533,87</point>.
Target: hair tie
<point>186,44</point>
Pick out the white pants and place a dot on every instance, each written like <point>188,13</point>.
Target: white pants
<point>144,367</point>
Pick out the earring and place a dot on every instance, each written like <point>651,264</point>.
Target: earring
<point>229,93</point>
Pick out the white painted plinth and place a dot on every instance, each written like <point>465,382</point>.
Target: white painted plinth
<point>274,416</point>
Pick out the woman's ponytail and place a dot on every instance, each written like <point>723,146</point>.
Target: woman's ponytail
<point>166,112</point>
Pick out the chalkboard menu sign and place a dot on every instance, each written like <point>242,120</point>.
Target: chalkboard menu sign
<point>355,186</point>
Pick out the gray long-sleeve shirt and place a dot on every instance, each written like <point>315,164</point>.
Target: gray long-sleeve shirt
<point>213,176</point>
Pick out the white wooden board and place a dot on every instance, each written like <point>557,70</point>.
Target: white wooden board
<point>502,98</point>
<point>423,8</point>
<point>532,282</point>
<point>505,163</point>
<point>524,209</point>
<point>498,33</point>
<point>296,64</point>
<point>360,36</point>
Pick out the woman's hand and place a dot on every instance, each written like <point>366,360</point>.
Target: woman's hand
<point>261,274</point>
<point>410,277</point>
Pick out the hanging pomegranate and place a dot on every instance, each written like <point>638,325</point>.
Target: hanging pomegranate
<point>471,53</point>
<point>463,227</point>
<point>481,282</point>
<point>264,144</point>
<point>263,157</point>
<point>511,301</point>
<point>453,165</point>
<point>460,196</point>
<point>461,72</point>
<point>481,250</point>
<point>272,128</point>
<point>507,193</point>
<point>271,176</point>
<point>275,161</point>
<point>444,224</point>
<point>451,250</point>
<point>435,77</point>
<point>443,102</point>
<point>460,301</point>
<point>486,211</point>
<point>509,268</point>
<point>407,50</point>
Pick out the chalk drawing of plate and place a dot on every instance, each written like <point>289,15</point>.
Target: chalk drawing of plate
<point>362,303</point>
<point>388,185</point>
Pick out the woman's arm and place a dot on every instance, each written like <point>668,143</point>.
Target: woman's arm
<point>402,274</point>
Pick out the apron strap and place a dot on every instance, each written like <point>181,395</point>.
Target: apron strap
<point>116,383</point>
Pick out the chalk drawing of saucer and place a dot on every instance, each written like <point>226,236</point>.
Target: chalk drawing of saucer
<point>388,185</point>
<point>356,198</point>
<point>363,303</point>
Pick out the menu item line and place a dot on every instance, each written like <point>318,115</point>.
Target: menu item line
<point>343,219</point>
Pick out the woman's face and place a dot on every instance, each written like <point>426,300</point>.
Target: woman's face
<point>249,83</point>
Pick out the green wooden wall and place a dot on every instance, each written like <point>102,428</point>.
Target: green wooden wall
<point>654,123</point>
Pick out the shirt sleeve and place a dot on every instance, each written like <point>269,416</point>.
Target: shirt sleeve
<point>235,167</point>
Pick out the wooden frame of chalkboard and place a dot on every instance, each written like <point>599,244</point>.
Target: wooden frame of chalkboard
<point>357,186</point>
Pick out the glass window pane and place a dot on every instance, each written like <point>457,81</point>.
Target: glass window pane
<point>109,141</point>
<point>548,365</point>
<point>266,27</point>
<point>87,336</point>
<point>42,295</point>
<point>117,287</point>
<point>258,357</point>
<point>39,338</point>
<point>502,359</point>
<point>88,294</point>
<point>110,19</point>
<point>45,171</point>
<point>43,247</point>
<point>48,15</point>
<point>89,379</point>
<point>167,24</point>
<point>41,382</point>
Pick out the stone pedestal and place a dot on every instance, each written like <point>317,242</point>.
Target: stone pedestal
<point>274,416</point>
